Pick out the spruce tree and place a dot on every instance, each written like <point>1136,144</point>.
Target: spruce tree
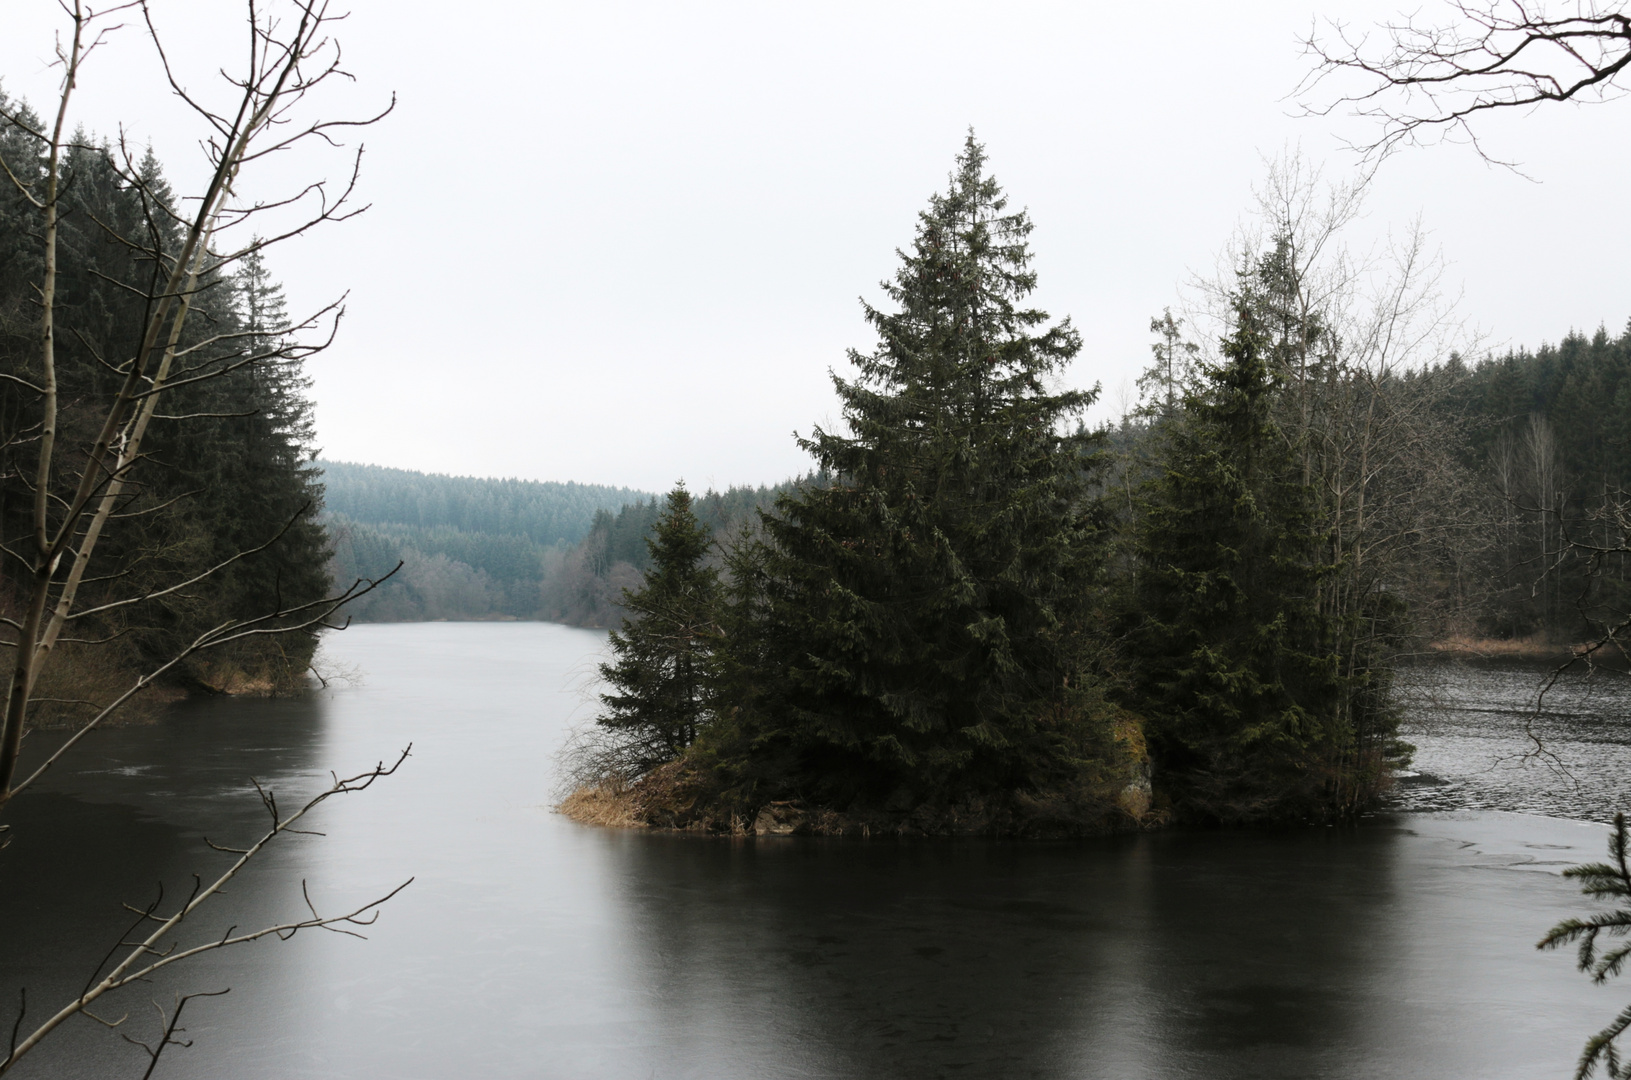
<point>228,454</point>
<point>909,632</point>
<point>1237,677</point>
<point>663,652</point>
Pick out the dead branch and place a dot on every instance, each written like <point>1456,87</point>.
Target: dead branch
<point>1430,82</point>
<point>287,620</point>
<point>169,1028</point>
<point>152,953</point>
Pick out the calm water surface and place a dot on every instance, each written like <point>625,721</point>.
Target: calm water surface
<point>528,946</point>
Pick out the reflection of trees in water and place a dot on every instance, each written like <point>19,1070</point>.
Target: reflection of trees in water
<point>133,804</point>
<point>1153,954</point>
<point>1267,953</point>
<point>62,915</point>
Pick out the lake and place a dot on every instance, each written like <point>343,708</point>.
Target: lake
<point>529,946</point>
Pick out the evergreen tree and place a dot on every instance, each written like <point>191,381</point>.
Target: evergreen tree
<point>904,630</point>
<point>663,653</point>
<point>1237,678</point>
<point>229,456</point>
<point>1162,383</point>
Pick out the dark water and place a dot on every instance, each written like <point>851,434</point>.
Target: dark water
<point>532,947</point>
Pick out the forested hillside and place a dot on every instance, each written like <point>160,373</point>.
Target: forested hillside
<point>1550,431</point>
<point>470,547</point>
<point>225,469</point>
<point>1503,480</point>
<point>477,548</point>
<point>543,512</point>
<point>585,586</point>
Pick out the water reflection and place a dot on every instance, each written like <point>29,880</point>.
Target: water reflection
<point>531,947</point>
<point>143,799</point>
<point>1130,957</point>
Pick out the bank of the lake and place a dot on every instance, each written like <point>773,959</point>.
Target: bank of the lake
<point>530,946</point>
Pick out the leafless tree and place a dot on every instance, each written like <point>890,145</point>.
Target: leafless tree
<point>82,492</point>
<point>1431,81</point>
<point>284,67</point>
<point>1359,333</point>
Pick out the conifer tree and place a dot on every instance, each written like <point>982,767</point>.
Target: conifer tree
<point>911,628</point>
<point>663,652</point>
<point>231,452</point>
<point>1236,674</point>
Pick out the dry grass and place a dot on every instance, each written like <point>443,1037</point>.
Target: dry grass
<point>599,786</point>
<point>667,798</point>
<point>78,681</point>
<point>610,803</point>
<point>239,683</point>
<point>1525,648</point>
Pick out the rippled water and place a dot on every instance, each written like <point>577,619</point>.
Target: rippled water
<point>1486,738</point>
<point>529,946</point>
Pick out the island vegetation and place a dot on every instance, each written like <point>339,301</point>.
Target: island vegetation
<point>978,615</point>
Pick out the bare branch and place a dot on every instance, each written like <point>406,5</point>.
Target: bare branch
<point>305,616</point>
<point>1431,81</point>
<point>169,1029</point>
<point>148,956</point>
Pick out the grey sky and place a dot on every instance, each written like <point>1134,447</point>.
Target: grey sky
<point>622,243</point>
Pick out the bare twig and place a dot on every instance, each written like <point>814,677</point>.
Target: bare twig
<point>1432,81</point>
<point>151,954</point>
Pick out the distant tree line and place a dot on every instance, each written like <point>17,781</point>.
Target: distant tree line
<point>470,547</point>
<point>474,548</point>
<point>543,512</point>
<point>986,616</point>
<point>586,586</point>
<point>1550,429</point>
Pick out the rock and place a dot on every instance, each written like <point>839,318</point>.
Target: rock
<point>1136,796</point>
<point>781,819</point>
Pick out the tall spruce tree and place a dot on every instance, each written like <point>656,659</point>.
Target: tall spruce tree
<point>1237,677</point>
<point>663,652</point>
<point>906,629</point>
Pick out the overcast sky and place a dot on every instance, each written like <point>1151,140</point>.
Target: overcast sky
<point>623,243</point>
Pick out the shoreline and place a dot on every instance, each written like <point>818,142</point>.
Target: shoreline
<point>670,800</point>
<point>1466,647</point>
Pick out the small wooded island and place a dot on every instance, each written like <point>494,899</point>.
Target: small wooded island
<point>945,629</point>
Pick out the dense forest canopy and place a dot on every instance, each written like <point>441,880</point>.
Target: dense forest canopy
<point>1550,430</point>
<point>227,461</point>
<point>543,512</point>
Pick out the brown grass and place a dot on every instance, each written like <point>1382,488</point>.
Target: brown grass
<point>1534,647</point>
<point>611,804</point>
<point>79,680</point>
<point>239,683</point>
<point>673,798</point>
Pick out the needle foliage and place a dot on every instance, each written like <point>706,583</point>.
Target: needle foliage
<point>909,630</point>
